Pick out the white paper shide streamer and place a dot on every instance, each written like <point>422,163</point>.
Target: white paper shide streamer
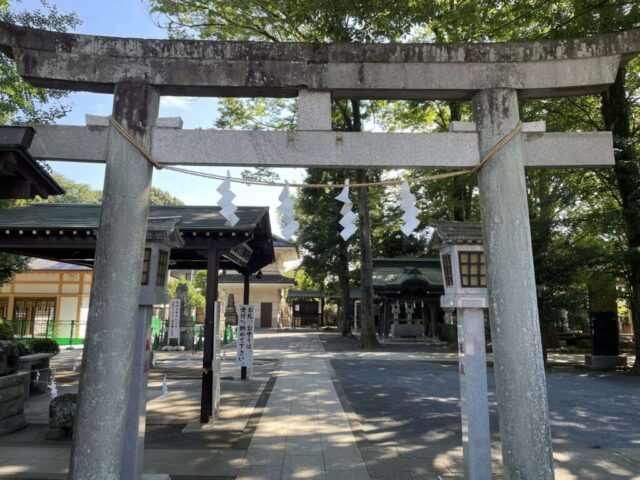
<point>165,387</point>
<point>54,388</point>
<point>348,220</point>
<point>227,208</point>
<point>289,225</point>
<point>410,215</point>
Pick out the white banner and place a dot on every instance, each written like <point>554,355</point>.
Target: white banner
<point>244,351</point>
<point>174,319</point>
<point>217,359</point>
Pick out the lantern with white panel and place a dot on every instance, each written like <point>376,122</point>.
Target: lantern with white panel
<point>465,286</point>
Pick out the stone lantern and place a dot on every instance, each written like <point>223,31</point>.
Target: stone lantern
<point>465,286</point>
<point>162,235</point>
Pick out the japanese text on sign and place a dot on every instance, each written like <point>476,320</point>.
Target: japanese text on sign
<point>246,318</point>
<point>174,318</point>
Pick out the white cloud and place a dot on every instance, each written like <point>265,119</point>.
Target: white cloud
<point>178,103</point>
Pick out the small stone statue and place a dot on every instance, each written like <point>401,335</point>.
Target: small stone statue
<point>409,309</point>
<point>230,313</point>
<point>395,310</point>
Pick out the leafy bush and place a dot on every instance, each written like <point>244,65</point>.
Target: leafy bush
<point>6,330</point>
<point>24,348</point>
<point>44,345</point>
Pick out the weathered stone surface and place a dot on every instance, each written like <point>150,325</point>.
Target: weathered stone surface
<point>11,392</point>
<point>11,408</point>
<point>18,378</point>
<point>9,357</point>
<point>314,110</point>
<point>515,327</point>
<point>103,121</point>
<point>37,362</point>
<point>12,424</point>
<point>230,312</point>
<point>106,375</point>
<point>62,410</point>
<point>12,403</point>
<point>391,71</point>
<point>317,149</point>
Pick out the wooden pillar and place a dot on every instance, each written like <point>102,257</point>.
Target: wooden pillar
<point>206,399</point>
<point>245,297</point>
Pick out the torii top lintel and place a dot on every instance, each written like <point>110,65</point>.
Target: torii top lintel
<point>572,66</point>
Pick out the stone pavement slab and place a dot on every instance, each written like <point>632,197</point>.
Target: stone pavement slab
<point>307,428</point>
<point>303,428</point>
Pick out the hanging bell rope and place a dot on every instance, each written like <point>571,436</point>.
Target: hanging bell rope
<point>395,181</point>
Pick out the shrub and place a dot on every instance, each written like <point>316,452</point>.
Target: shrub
<point>25,348</point>
<point>6,330</point>
<point>44,345</point>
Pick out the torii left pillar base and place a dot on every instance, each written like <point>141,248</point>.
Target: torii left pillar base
<point>106,376</point>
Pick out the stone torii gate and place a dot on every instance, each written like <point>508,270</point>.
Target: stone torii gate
<point>493,76</point>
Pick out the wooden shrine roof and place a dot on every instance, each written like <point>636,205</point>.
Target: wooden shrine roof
<point>67,233</point>
<point>21,176</point>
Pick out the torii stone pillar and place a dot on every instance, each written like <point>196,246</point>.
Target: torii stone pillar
<point>105,379</point>
<point>515,329</point>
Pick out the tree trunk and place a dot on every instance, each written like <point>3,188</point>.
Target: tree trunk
<point>616,112</point>
<point>368,337</point>
<point>343,278</point>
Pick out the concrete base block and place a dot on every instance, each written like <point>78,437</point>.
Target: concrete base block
<point>407,330</point>
<point>605,362</point>
<point>12,416</point>
<point>12,424</point>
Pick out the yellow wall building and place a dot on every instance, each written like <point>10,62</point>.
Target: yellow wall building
<point>50,299</point>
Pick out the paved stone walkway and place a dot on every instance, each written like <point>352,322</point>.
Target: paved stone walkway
<point>304,432</point>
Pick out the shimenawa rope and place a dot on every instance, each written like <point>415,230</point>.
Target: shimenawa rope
<point>395,181</point>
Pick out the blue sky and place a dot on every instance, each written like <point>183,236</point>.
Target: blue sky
<point>130,18</point>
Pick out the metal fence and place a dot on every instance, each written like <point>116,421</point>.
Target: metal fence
<point>64,332</point>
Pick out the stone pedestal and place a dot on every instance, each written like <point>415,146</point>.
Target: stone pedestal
<point>12,402</point>
<point>34,363</point>
<point>408,329</point>
<point>605,362</point>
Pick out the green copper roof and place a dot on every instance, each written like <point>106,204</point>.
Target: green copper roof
<point>67,216</point>
<point>395,272</point>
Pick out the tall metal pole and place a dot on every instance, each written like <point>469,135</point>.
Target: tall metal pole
<point>105,378</point>
<point>211,296</point>
<point>515,329</point>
